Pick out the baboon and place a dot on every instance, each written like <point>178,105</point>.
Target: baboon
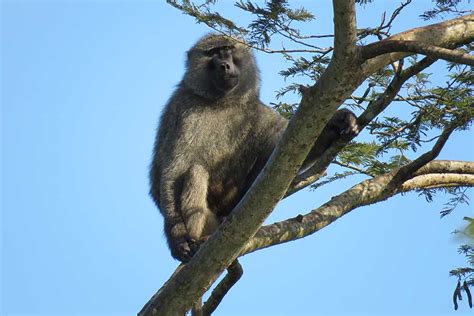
<point>214,137</point>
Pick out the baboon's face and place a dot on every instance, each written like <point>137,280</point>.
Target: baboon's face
<point>219,67</point>
<point>224,71</point>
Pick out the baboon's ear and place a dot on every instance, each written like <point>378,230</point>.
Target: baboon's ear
<point>189,56</point>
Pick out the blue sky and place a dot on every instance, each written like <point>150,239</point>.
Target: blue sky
<point>83,83</point>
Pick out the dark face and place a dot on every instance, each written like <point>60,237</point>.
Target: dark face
<point>223,67</point>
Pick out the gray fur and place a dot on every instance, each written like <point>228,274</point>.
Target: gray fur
<point>212,142</point>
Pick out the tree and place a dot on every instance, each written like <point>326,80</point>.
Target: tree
<point>368,78</point>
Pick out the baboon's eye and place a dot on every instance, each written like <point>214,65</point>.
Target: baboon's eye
<point>213,51</point>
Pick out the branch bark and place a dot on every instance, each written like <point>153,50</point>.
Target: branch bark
<point>447,166</point>
<point>391,46</point>
<point>345,31</point>
<point>454,32</point>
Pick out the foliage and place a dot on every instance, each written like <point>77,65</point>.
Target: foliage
<point>275,16</point>
<point>443,8</point>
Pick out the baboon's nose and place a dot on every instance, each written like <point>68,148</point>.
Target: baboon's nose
<point>225,67</point>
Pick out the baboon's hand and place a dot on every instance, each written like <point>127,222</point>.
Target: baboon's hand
<point>345,122</point>
<point>196,244</point>
<point>187,249</point>
<point>183,251</point>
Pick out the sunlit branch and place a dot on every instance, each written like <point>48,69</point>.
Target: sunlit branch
<point>392,46</point>
<point>450,33</point>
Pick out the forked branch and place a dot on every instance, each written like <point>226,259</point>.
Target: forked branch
<point>450,33</point>
<point>445,174</point>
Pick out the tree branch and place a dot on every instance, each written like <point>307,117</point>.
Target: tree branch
<point>407,171</point>
<point>437,180</point>
<point>447,166</point>
<point>450,33</point>
<point>233,275</point>
<point>391,46</point>
<point>365,193</point>
<point>380,104</point>
<point>345,30</point>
